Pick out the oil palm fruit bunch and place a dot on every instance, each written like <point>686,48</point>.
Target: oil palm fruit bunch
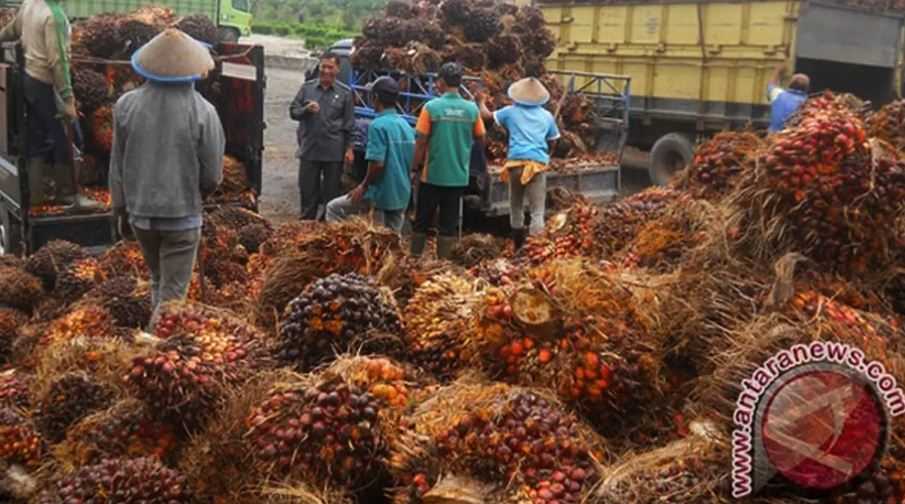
<point>253,236</point>
<point>101,124</point>
<point>199,27</point>
<point>19,441</point>
<point>125,429</point>
<point>399,9</point>
<point>200,350</point>
<point>20,289</point>
<point>329,429</point>
<point>52,258</point>
<point>336,314</point>
<point>483,25</point>
<point>498,273</point>
<point>840,193</point>
<point>386,32</point>
<point>120,480</point>
<point>718,161</point>
<point>457,12</point>
<point>83,321</point>
<point>100,35</point>
<point>68,399</point>
<point>124,258</point>
<point>235,175</point>
<point>436,319</point>
<point>135,33</point>
<point>504,49</point>
<point>91,89</point>
<point>875,486</point>
<point>568,234</point>
<point>525,447</point>
<point>620,222</point>
<point>888,123</point>
<point>78,278</point>
<point>14,389</point>
<point>11,320</point>
<point>236,218</point>
<point>127,299</point>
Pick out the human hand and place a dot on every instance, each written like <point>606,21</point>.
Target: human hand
<point>356,194</point>
<point>70,111</point>
<point>350,156</point>
<point>313,107</point>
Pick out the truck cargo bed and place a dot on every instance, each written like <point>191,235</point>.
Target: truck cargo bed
<point>597,183</point>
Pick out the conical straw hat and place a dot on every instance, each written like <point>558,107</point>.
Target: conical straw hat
<point>173,56</point>
<point>529,91</point>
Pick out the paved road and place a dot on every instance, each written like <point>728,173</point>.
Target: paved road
<point>280,198</point>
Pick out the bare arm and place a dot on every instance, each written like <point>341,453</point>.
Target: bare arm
<point>420,154</point>
<point>486,114</point>
<point>375,169</point>
<point>776,77</point>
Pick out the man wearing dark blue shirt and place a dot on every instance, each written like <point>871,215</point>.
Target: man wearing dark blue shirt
<point>784,102</point>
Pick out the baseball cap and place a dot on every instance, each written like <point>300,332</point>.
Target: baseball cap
<point>386,86</point>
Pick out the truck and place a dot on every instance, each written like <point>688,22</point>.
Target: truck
<point>235,87</point>
<point>700,66</point>
<point>486,194</point>
<point>232,17</point>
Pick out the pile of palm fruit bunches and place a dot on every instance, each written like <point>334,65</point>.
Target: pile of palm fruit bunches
<point>498,44</point>
<point>113,38</point>
<point>600,363</point>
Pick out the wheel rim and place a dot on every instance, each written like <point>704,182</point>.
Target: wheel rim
<point>671,163</point>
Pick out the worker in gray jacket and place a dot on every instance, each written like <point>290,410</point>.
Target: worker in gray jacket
<point>168,147</point>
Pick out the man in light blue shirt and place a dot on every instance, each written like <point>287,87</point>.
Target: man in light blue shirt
<point>391,147</point>
<point>784,102</point>
<point>532,131</point>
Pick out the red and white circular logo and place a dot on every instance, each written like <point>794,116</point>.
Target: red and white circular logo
<point>823,428</point>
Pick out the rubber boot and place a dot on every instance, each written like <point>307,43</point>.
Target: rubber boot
<point>67,194</point>
<point>37,167</point>
<point>419,240</point>
<point>445,246</point>
<point>518,237</point>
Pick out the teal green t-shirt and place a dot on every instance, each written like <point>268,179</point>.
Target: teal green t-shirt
<point>452,123</point>
<point>391,141</point>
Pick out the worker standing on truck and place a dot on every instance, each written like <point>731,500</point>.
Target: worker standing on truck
<point>447,129</point>
<point>168,146</point>
<point>325,111</point>
<point>390,149</point>
<point>532,132</point>
<point>784,102</point>
<point>44,31</point>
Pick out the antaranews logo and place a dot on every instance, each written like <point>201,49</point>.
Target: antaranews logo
<point>817,414</point>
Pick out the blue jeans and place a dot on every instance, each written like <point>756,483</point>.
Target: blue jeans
<point>342,207</point>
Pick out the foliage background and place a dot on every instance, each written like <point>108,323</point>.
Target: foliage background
<point>325,21</point>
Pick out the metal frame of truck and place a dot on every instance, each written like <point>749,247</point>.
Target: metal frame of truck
<point>611,95</point>
<point>236,89</point>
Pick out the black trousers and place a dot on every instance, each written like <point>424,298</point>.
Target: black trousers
<point>319,182</point>
<point>431,198</point>
<point>47,137</point>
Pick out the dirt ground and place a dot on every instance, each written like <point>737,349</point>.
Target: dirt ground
<point>280,198</point>
<point>280,195</point>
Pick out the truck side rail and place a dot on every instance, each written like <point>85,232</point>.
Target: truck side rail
<point>416,90</point>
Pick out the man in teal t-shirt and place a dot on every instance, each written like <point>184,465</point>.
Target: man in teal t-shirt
<point>447,129</point>
<point>391,147</point>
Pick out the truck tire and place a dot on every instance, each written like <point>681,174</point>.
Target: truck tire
<point>228,34</point>
<point>670,155</point>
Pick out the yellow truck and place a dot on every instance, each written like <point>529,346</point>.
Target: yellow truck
<point>697,67</point>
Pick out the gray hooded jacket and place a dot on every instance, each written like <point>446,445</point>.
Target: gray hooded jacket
<point>168,146</point>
